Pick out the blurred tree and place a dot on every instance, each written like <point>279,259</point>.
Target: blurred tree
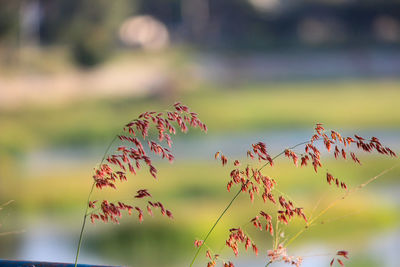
<point>88,26</point>
<point>9,24</point>
<point>9,18</point>
<point>94,27</point>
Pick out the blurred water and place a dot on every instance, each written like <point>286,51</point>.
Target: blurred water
<point>385,247</point>
<point>299,65</point>
<point>47,242</point>
<point>203,147</point>
<point>44,241</point>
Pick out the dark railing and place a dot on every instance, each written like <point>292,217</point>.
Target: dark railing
<point>12,263</point>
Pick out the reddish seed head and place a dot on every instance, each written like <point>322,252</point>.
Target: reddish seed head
<point>343,153</point>
<point>142,193</point>
<point>224,160</point>
<point>198,243</point>
<point>208,254</point>
<point>329,178</point>
<point>391,153</point>
<point>140,215</point>
<point>248,244</point>
<point>149,211</point>
<point>266,216</point>
<point>255,249</point>
<point>229,185</point>
<point>91,204</point>
<point>328,144</point>
<point>359,137</point>
<point>169,214</point>
<point>343,253</point>
<point>271,198</point>
<point>319,128</point>
<point>291,154</point>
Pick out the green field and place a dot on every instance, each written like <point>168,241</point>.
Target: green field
<point>341,104</point>
<point>195,190</point>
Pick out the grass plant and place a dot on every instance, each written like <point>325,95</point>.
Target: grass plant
<point>280,209</point>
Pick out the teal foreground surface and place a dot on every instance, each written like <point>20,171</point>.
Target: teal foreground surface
<point>43,264</point>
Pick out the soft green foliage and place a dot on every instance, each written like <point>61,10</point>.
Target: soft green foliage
<point>254,107</point>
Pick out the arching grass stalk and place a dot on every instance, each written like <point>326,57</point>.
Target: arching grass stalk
<point>231,202</point>
<point>87,204</point>
<point>131,156</point>
<point>334,203</point>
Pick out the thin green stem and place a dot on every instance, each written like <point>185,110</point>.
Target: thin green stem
<point>108,148</point>
<point>349,192</point>
<point>83,226</point>
<point>233,199</point>
<point>275,245</point>
<point>87,204</point>
<point>215,224</point>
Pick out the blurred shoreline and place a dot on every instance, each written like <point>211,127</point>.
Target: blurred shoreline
<point>156,74</point>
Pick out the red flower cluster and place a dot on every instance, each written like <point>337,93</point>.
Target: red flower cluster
<point>104,176</point>
<point>280,254</point>
<point>290,154</point>
<point>132,156</point>
<point>142,193</point>
<point>268,225</point>
<point>252,181</point>
<point>161,207</point>
<point>342,145</point>
<point>260,149</point>
<point>110,211</point>
<point>198,243</point>
<point>238,236</point>
<point>330,179</point>
<point>289,212</point>
<point>213,259</point>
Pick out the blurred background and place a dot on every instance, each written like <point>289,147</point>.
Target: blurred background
<point>72,73</point>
